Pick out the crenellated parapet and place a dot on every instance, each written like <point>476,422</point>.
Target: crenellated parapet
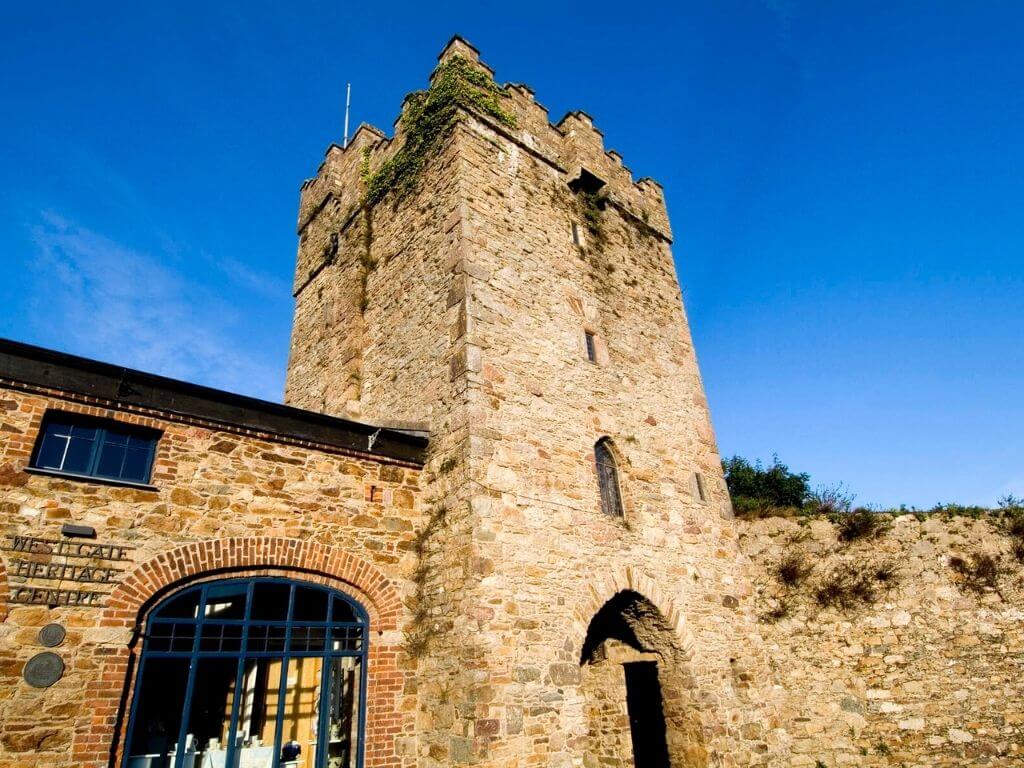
<point>329,203</point>
<point>583,153</point>
<point>338,174</point>
<point>574,147</point>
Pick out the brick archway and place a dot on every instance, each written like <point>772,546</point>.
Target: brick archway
<point>98,737</point>
<point>151,580</point>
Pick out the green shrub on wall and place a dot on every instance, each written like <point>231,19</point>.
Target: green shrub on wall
<point>456,86</point>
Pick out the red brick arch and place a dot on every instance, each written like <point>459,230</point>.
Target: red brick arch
<point>98,737</point>
<point>153,578</point>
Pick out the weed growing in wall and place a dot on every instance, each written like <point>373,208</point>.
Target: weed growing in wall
<point>430,115</point>
<point>1017,550</point>
<point>860,524</point>
<point>793,569</point>
<point>978,572</point>
<point>778,612</point>
<point>852,584</point>
<point>591,206</point>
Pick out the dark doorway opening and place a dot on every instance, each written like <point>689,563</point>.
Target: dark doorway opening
<point>646,716</point>
<point>641,704</point>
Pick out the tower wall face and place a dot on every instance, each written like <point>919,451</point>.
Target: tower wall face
<point>474,319</point>
<point>546,555</point>
<point>370,336</point>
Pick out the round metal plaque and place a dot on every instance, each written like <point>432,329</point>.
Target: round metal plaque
<point>43,670</point>
<point>51,635</point>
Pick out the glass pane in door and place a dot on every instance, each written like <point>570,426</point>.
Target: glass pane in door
<point>258,706</point>
<point>161,697</point>
<point>301,712</point>
<point>209,714</point>
<point>343,714</point>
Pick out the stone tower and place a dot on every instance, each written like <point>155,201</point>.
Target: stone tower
<point>503,282</point>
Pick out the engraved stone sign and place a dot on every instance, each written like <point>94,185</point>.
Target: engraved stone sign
<point>38,561</point>
<point>51,635</point>
<point>37,546</point>
<point>43,670</point>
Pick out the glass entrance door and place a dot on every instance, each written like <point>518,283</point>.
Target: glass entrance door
<point>251,673</point>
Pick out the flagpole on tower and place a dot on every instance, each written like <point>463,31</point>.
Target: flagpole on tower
<point>348,102</point>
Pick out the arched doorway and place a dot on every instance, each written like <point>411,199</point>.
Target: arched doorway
<point>639,699</point>
<point>258,672</point>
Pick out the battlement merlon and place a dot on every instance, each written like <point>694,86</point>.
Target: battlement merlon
<point>574,146</point>
<point>337,178</point>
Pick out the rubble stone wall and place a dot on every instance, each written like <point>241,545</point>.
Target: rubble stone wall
<point>931,673</point>
<point>608,735</point>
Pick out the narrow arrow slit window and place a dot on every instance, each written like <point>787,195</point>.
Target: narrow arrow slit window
<point>608,478</point>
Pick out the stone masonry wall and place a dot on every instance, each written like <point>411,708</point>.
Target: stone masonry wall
<point>929,674</point>
<point>473,320</point>
<point>548,556</point>
<point>225,501</point>
<point>608,738</point>
<point>412,363</point>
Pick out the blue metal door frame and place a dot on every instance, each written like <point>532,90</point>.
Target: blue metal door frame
<point>349,637</point>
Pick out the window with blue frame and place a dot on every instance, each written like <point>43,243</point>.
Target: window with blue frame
<point>74,444</point>
<point>256,673</point>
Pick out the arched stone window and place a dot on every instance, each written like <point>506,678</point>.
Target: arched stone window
<point>608,478</point>
<point>251,672</point>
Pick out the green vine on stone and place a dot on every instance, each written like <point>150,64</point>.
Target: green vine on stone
<point>591,206</point>
<point>456,85</point>
<point>419,633</point>
<point>364,165</point>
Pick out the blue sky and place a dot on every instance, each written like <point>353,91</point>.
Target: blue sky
<point>845,180</point>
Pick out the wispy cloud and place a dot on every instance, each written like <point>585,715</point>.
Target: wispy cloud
<point>102,299</point>
<point>253,280</point>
